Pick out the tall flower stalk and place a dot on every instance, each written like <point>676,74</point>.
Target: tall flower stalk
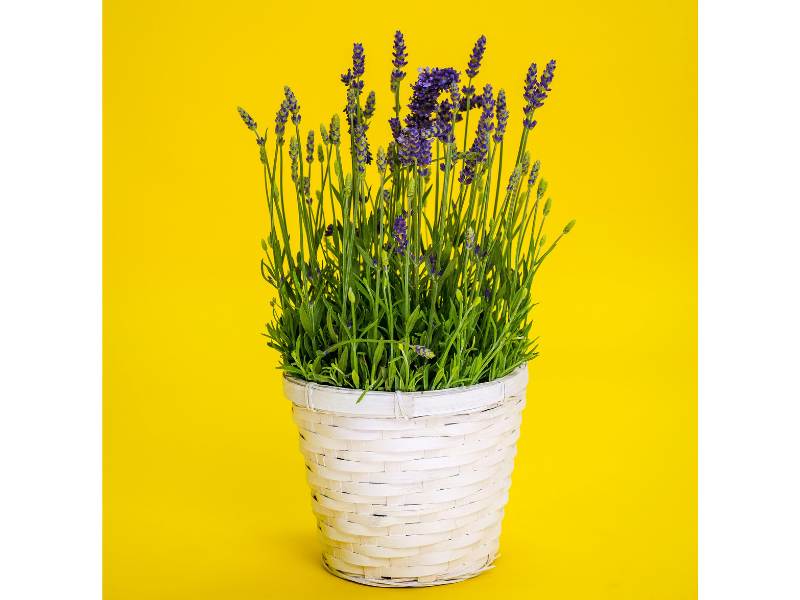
<point>412,269</point>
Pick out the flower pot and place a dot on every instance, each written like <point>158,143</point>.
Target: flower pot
<point>409,488</point>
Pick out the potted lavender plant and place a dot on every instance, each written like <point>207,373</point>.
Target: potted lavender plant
<point>402,316</point>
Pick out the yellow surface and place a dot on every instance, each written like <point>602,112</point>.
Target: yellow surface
<point>205,496</point>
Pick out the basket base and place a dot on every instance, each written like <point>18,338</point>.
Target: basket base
<point>405,582</point>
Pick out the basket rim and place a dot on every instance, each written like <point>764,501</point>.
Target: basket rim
<point>455,400</point>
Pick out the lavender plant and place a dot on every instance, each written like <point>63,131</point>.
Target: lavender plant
<point>413,267</point>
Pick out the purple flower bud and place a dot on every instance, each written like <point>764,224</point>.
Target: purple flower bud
<point>280,122</point>
<point>369,106</point>
<point>422,351</point>
<point>329,230</point>
<point>534,173</point>
<point>480,146</point>
<point>502,117</point>
<point>310,147</point>
<point>536,91</point>
<point>358,60</point>
<point>400,234</point>
<point>248,120</point>
<point>292,105</point>
<point>399,60</point>
<point>476,57</point>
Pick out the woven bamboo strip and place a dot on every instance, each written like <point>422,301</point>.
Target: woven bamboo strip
<point>412,493</point>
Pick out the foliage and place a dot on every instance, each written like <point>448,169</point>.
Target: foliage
<point>422,281</point>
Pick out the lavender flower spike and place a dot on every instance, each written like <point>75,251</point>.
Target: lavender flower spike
<point>292,105</point>
<point>536,91</point>
<point>358,60</point>
<point>248,120</point>
<point>369,106</point>
<point>310,147</point>
<point>335,132</point>
<point>399,60</point>
<point>399,234</point>
<point>280,122</point>
<point>502,116</point>
<point>476,57</point>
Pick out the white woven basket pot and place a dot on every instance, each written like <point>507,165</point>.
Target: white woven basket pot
<point>409,488</point>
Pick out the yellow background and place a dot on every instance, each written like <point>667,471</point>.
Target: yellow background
<point>205,496</point>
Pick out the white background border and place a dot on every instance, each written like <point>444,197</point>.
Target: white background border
<point>50,303</point>
<point>749,300</point>
<point>50,306</point>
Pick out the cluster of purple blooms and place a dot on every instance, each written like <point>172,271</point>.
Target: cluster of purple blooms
<point>399,60</point>
<point>429,118</point>
<point>480,146</point>
<point>536,91</point>
<point>400,234</point>
<point>425,119</point>
<point>358,119</point>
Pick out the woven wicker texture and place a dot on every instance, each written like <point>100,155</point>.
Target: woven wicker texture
<point>414,497</point>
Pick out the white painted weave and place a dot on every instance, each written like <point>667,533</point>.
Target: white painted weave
<point>409,488</point>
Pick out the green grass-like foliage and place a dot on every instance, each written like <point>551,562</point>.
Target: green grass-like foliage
<point>402,277</point>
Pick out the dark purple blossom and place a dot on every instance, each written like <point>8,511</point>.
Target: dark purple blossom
<point>280,121</point>
<point>400,234</point>
<point>536,91</point>
<point>429,85</point>
<point>476,57</point>
<point>352,79</point>
<point>292,105</point>
<point>369,106</point>
<point>358,60</point>
<point>480,146</point>
<point>415,139</point>
<point>399,60</point>
<point>502,117</point>
<point>329,230</point>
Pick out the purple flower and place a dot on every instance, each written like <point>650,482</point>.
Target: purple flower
<point>426,90</point>
<point>248,120</point>
<point>534,173</point>
<point>432,270</point>
<point>502,117</point>
<point>352,79</point>
<point>414,141</point>
<point>536,91</point>
<point>369,106</point>
<point>310,147</point>
<point>422,351</point>
<point>280,121</point>
<point>399,60</point>
<point>400,234</point>
<point>480,146</point>
<point>335,131</point>
<point>358,60</point>
<point>292,105</point>
<point>476,57</point>
<point>329,230</point>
